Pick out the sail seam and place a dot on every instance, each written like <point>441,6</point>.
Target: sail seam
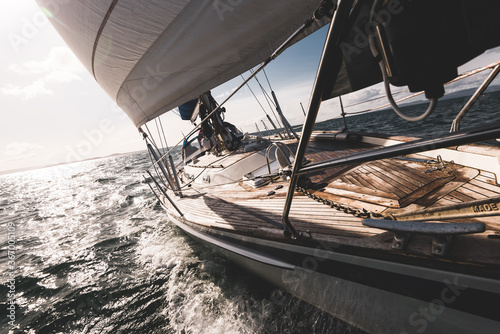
<point>99,32</point>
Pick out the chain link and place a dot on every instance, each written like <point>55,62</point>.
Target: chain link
<point>357,212</point>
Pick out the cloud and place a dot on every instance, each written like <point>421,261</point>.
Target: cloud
<point>59,59</point>
<point>37,88</point>
<point>21,150</point>
<point>60,67</point>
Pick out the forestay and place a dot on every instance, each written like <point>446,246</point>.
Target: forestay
<point>151,56</point>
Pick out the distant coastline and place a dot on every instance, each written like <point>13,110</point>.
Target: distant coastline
<point>27,169</point>
<point>453,95</point>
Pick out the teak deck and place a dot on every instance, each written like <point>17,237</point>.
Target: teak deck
<point>391,188</point>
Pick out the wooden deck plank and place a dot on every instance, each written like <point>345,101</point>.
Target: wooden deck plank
<point>396,187</point>
<point>377,183</point>
<point>235,219</point>
<point>400,171</point>
<point>461,196</point>
<point>362,196</point>
<point>362,190</point>
<point>408,168</point>
<point>350,179</point>
<point>462,176</point>
<point>444,201</point>
<point>451,198</point>
<point>477,192</point>
<point>489,177</point>
<point>360,181</point>
<point>351,202</point>
<point>485,185</point>
<point>420,193</point>
<point>397,181</point>
<point>410,181</point>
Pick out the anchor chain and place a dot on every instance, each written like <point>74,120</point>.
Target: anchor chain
<point>357,212</point>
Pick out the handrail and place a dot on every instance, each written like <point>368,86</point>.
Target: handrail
<point>328,70</point>
<point>456,122</point>
<point>279,146</point>
<point>164,193</point>
<point>416,146</point>
<point>176,178</point>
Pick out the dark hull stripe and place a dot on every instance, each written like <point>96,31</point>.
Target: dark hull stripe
<point>465,299</point>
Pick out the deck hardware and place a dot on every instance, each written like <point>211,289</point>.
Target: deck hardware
<point>287,171</point>
<point>480,208</point>
<point>441,233</point>
<point>400,241</point>
<point>279,186</point>
<point>440,165</point>
<point>281,156</point>
<point>495,235</point>
<point>269,193</point>
<point>440,245</point>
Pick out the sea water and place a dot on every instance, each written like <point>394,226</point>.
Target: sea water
<point>95,253</point>
<point>86,248</point>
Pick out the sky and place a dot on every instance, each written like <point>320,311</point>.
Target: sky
<point>54,112</point>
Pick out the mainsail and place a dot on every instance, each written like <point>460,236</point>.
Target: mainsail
<point>151,56</point>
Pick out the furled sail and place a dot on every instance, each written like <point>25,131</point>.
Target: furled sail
<point>151,56</point>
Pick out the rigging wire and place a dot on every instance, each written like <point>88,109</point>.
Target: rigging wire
<point>265,74</point>
<point>159,135</point>
<point>264,90</point>
<point>151,139</point>
<point>374,99</point>
<point>267,115</point>
<point>273,56</point>
<point>286,125</point>
<point>162,131</point>
<point>270,102</point>
<point>251,91</point>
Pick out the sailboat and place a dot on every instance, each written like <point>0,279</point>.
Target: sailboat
<point>388,233</point>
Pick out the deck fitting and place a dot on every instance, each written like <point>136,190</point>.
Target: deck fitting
<point>400,241</point>
<point>441,233</point>
<point>440,245</point>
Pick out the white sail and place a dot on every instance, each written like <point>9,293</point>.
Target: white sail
<point>150,56</point>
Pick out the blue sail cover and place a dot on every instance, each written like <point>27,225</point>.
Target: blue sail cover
<point>186,109</point>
